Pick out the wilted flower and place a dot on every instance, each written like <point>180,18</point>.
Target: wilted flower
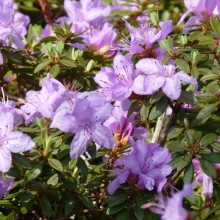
<point>117,82</point>
<point>146,166</point>
<point>84,115</point>
<point>171,208</point>
<point>11,141</point>
<point>43,102</point>
<point>5,185</point>
<point>156,75</point>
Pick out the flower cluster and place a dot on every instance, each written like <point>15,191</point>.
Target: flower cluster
<point>12,25</point>
<point>145,166</point>
<point>150,75</point>
<point>114,105</point>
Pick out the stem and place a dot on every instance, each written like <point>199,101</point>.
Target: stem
<point>48,16</point>
<point>170,123</point>
<point>158,128</point>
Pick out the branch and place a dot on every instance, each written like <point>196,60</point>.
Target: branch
<point>48,16</point>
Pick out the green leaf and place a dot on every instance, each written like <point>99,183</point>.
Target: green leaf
<point>46,206</point>
<point>189,136</point>
<point>59,46</point>
<point>117,199</point>
<point>187,97</point>
<point>11,216</point>
<point>81,61</point>
<point>144,111</point>
<point>42,65</point>
<point>53,180</point>
<point>158,109</point>
<point>68,63</point>
<point>83,169</point>
<point>33,173</point>
<point>123,215</point>
<point>206,40</point>
<point>206,112</point>
<point>21,160</point>
<point>189,173</point>
<point>139,212</point>
<point>154,17</point>
<point>175,146</point>
<point>174,132</point>
<point>115,209</point>
<point>69,205</point>
<point>56,164</point>
<point>208,168</point>
<point>212,157</point>
<point>132,109</point>
<point>184,162</point>
<point>175,161</point>
<point>210,77</point>
<point>54,70</point>
<point>208,139</point>
<point>90,65</point>
<point>183,65</point>
<point>87,202</point>
<point>215,23</point>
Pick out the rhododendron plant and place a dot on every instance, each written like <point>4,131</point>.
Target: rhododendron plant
<point>109,109</point>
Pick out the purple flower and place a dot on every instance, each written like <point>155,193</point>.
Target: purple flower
<point>44,102</point>
<point>156,75</point>
<point>12,24</point>
<point>171,208</point>
<point>11,141</point>
<point>85,13</point>
<point>101,40</point>
<point>10,106</point>
<point>122,126</point>
<point>201,9</point>
<point>198,7</point>
<point>5,185</point>
<point>84,116</point>
<point>203,179</point>
<point>144,37</point>
<point>117,82</point>
<point>146,166</point>
<point>124,5</point>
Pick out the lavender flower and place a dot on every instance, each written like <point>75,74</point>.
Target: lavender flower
<point>44,102</point>
<point>11,141</point>
<point>117,82</point>
<point>10,106</point>
<point>201,10</point>
<point>146,166</point>
<point>5,185</point>
<point>122,126</point>
<point>156,75</point>
<point>84,115</point>
<point>12,24</point>
<point>101,41</point>
<point>85,13</point>
<point>144,37</point>
<point>203,179</point>
<point>125,5</point>
<point>171,208</point>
